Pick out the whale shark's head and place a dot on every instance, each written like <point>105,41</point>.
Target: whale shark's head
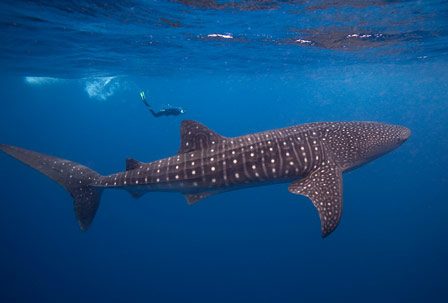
<point>356,143</point>
<point>382,138</point>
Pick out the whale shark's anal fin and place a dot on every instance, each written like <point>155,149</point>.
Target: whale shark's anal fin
<point>195,136</point>
<point>193,198</point>
<point>130,165</point>
<point>135,193</point>
<point>324,187</point>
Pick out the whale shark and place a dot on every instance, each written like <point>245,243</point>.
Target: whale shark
<point>311,157</point>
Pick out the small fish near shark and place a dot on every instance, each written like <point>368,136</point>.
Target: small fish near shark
<point>312,157</point>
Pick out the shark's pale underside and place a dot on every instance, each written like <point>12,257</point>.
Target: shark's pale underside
<point>312,157</point>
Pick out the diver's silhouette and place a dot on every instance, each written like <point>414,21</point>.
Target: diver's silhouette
<point>168,111</point>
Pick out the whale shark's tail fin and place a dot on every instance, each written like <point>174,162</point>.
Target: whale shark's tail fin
<point>77,179</point>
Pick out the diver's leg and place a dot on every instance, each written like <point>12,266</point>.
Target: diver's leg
<point>155,114</point>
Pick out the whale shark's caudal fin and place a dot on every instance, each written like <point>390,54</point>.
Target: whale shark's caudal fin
<point>77,179</point>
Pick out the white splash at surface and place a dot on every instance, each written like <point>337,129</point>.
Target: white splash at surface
<point>41,80</point>
<point>102,88</point>
<point>223,36</point>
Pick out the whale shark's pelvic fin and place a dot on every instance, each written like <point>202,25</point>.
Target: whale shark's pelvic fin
<point>194,136</point>
<point>77,179</point>
<point>324,187</point>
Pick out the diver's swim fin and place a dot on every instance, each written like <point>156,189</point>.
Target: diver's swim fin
<point>143,97</point>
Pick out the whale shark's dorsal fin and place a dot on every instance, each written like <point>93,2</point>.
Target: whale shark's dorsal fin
<point>324,187</point>
<point>132,164</point>
<point>194,136</point>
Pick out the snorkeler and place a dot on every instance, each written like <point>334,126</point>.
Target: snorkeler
<point>168,111</point>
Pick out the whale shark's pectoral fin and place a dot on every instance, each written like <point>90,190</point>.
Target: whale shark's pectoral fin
<point>324,187</point>
<point>194,136</point>
<point>193,198</point>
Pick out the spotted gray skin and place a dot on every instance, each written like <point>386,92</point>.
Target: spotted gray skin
<point>311,156</point>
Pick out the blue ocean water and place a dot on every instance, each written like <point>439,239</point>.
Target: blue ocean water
<point>71,73</point>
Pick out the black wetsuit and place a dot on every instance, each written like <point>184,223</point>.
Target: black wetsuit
<point>169,111</point>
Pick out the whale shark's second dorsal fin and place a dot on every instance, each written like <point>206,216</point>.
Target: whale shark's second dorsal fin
<point>132,164</point>
<point>324,187</point>
<point>194,136</point>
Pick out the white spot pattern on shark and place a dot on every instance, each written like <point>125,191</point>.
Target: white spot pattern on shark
<point>311,156</point>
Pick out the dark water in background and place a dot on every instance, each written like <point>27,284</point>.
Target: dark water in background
<point>70,77</point>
